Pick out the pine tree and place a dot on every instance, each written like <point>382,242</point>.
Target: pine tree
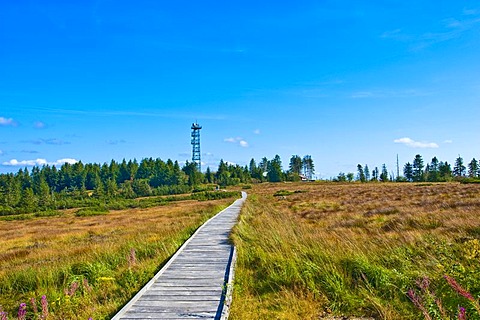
<point>194,176</point>
<point>123,172</point>
<point>473,168</point>
<point>263,164</point>
<point>222,176</point>
<point>295,166</point>
<point>252,167</point>
<point>126,190</point>
<point>274,170</point>
<point>308,167</point>
<point>375,174</point>
<point>433,170</point>
<point>444,171</point>
<point>208,176</point>
<point>111,188</point>
<point>459,169</point>
<point>418,168</point>
<point>99,189</point>
<point>44,195</point>
<point>132,167</point>
<point>367,173</point>
<point>408,171</point>
<point>350,176</point>
<point>384,174</point>
<point>28,201</point>
<point>141,187</point>
<point>360,173</point>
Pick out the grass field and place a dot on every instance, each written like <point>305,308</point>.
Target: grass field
<point>319,250</point>
<point>89,263</point>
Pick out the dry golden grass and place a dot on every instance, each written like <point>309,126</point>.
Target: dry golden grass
<point>352,248</point>
<point>38,255</point>
<point>63,237</point>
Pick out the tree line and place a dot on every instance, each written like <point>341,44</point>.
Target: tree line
<point>49,187</point>
<point>417,171</point>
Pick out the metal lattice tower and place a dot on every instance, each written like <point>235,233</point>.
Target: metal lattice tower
<point>196,145</point>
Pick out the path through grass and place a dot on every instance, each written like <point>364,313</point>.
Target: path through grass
<point>89,266</point>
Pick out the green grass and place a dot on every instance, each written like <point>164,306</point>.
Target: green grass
<point>356,250</point>
<point>89,265</point>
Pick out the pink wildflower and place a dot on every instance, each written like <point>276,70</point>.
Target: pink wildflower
<point>86,286</point>
<point>424,284</point>
<point>418,303</point>
<point>73,289</point>
<point>44,307</point>
<point>34,305</point>
<point>22,311</point>
<point>451,281</point>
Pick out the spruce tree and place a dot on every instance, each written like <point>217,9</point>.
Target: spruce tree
<point>444,171</point>
<point>366,172</point>
<point>295,166</point>
<point>473,168</point>
<point>274,170</point>
<point>360,173</point>
<point>308,167</point>
<point>384,174</point>
<point>418,168</point>
<point>408,171</point>
<point>459,169</point>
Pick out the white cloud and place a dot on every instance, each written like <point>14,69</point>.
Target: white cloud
<point>64,160</point>
<point>243,144</point>
<point>1,152</point>
<point>256,131</point>
<point>38,162</point>
<point>416,144</point>
<point>7,122</point>
<point>15,162</point>
<point>448,141</point>
<point>240,141</point>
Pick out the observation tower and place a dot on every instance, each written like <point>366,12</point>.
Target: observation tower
<point>196,145</point>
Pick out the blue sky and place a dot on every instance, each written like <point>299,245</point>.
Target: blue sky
<point>345,81</point>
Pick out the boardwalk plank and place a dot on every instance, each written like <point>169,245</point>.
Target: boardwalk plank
<point>192,285</point>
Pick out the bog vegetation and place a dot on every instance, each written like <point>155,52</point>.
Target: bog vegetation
<point>112,185</point>
<point>82,238</point>
<point>88,263</point>
<point>386,251</point>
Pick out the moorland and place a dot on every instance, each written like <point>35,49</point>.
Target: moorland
<point>375,250</point>
<point>87,263</point>
<point>306,250</point>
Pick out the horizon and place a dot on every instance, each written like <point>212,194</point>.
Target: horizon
<point>347,83</point>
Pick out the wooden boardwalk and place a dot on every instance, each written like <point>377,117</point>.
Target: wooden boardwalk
<point>193,284</point>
